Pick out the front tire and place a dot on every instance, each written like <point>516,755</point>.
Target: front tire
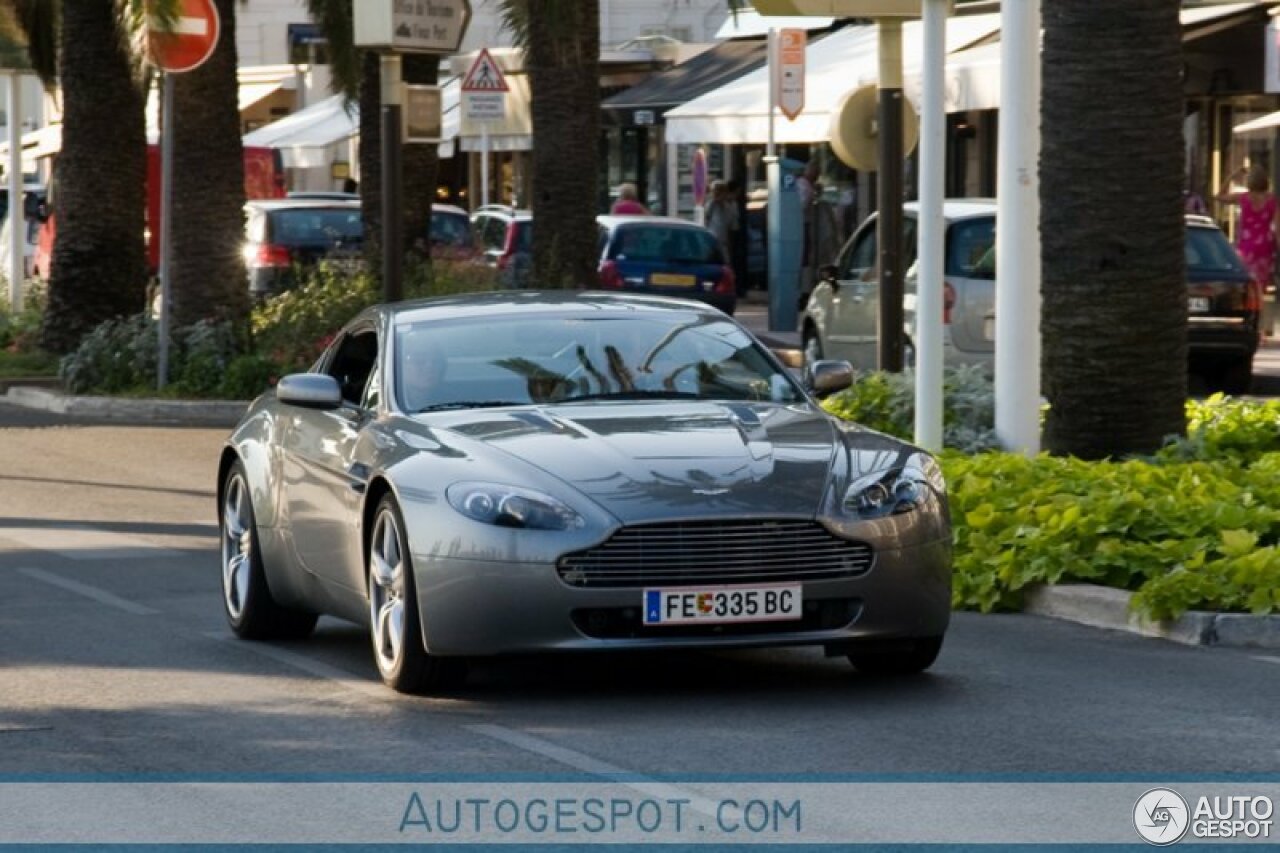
<point>395,625</point>
<point>252,612</point>
<point>895,657</point>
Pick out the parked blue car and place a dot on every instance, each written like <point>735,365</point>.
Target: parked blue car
<point>662,255</point>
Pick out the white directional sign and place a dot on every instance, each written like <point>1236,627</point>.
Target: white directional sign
<point>412,26</point>
<point>790,72</point>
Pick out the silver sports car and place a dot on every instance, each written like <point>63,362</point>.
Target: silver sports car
<point>522,472</point>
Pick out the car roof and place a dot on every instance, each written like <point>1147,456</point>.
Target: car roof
<point>526,302</point>
<point>269,205</point>
<point>959,208</point>
<point>451,209</point>
<point>502,210</point>
<point>612,221</point>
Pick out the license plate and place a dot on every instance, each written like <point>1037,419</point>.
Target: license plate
<point>716,605</point>
<point>662,279</point>
<point>1199,304</point>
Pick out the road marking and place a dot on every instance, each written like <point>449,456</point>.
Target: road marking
<point>99,595</point>
<point>1266,658</point>
<point>309,666</point>
<point>83,542</point>
<point>596,767</point>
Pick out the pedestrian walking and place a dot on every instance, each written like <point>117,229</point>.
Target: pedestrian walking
<point>628,204</point>
<point>722,217</point>
<point>1259,225</point>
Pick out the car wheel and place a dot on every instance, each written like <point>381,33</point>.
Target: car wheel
<point>394,623</point>
<point>252,612</point>
<point>812,346</point>
<point>895,657</point>
<point>1237,377</point>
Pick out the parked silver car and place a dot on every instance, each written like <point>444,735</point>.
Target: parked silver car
<point>518,472</point>
<point>842,315</point>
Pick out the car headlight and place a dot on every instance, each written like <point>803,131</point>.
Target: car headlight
<point>512,506</point>
<point>885,493</point>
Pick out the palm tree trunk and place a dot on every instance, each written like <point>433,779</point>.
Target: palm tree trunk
<point>563,57</point>
<point>1115,296</point>
<point>99,261</point>
<point>208,192</point>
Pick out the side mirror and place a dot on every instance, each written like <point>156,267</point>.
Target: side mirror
<point>309,391</point>
<point>826,377</point>
<point>830,274</point>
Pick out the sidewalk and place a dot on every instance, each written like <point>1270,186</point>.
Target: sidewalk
<point>753,312</point>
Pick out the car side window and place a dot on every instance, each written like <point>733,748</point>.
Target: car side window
<point>353,364</point>
<point>495,234</point>
<point>859,263</point>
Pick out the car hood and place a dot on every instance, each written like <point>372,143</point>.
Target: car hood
<point>654,461</point>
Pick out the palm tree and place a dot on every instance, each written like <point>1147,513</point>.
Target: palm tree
<point>99,267</point>
<point>208,187</point>
<point>561,41</point>
<point>1115,300</point>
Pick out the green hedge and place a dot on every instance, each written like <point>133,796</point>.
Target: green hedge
<point>1195,526</point>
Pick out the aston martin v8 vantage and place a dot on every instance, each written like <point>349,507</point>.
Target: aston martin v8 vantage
<point>521,472</point>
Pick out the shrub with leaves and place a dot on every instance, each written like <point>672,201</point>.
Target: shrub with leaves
<point>20,331</point>
<point>119,355</point>
<point>1224,428</point>
<point>886,402</point>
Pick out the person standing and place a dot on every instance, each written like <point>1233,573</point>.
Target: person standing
<point>722,218</point>
<point>1258,228</point>
<point>628,203</point>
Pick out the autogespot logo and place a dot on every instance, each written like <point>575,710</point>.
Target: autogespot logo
<point>1161,816</point>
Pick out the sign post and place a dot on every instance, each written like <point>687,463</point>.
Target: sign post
<point>17,224</point>
<point>484,90</point>
<point>393,27</point>
<point>178,49</point>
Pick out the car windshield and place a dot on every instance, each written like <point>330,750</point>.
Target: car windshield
<point>574,358</point>
<point>316,226</point>
<point>1209,251</point>
<point>665,243</point>
<point>450,229</point>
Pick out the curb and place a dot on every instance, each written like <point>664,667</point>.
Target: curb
<point>211,413</point>
<point>51,382</point>
<point>1103,607</point>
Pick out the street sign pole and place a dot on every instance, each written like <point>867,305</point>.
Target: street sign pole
<point>772,53</point>
<point>392,177</point>
<point>484,164</point>
<point>17,224</point>
<point>929,286</point>
<point>889,225</point>
<point>166,229</point>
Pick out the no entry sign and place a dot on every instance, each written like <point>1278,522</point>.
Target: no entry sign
<point>191,40</point>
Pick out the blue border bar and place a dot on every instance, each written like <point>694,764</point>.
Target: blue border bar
<point>637,777</point>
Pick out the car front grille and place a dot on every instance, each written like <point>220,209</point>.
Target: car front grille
<point>716,552</point>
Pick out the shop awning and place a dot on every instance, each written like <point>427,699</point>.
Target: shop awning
<point>748,23</point>
<point>707,71</point>
<point>305,137</point>
<point>252,93</point>
<point>737,113</point>
<point>1268,122</point>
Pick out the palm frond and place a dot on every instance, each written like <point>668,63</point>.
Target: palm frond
<point>335,19</point>
<point>30,30</point>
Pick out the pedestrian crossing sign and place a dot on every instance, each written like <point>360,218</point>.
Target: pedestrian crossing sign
<point>485,75</point>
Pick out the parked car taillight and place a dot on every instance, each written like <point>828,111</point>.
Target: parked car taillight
<point>1253,297</point>
<point>270,255</point>
<point>726,284</point>
<point>948,302</point>
<point>610,276</point>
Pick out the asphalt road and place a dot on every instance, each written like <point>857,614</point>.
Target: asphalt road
<point>114,658</point>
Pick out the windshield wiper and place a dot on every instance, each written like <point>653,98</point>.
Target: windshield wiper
<point>635,395</point>
<point>469,404</point>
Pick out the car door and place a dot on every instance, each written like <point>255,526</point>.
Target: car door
<point>970,270</point>
<point>323,481</point>
<point>853,308</point>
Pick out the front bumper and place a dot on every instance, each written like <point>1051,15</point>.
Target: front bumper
<point>474,607</point>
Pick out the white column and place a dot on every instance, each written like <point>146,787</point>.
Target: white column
<point>673,179</point>
<point>17,221</point>
<point>1018,230</point>
<point>771,53</point>
<point>933,152</point>
<point>484,164</point>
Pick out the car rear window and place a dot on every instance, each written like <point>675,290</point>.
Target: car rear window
<point>671,244</point>
<point>316,227</point>
<point>971,248</point>
<point>1209,251</point>
<point>450,229</point>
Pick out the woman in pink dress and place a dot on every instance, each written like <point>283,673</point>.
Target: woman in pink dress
<point>1259,223</point>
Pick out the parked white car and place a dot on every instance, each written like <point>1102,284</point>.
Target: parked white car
<point>842,315</point>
